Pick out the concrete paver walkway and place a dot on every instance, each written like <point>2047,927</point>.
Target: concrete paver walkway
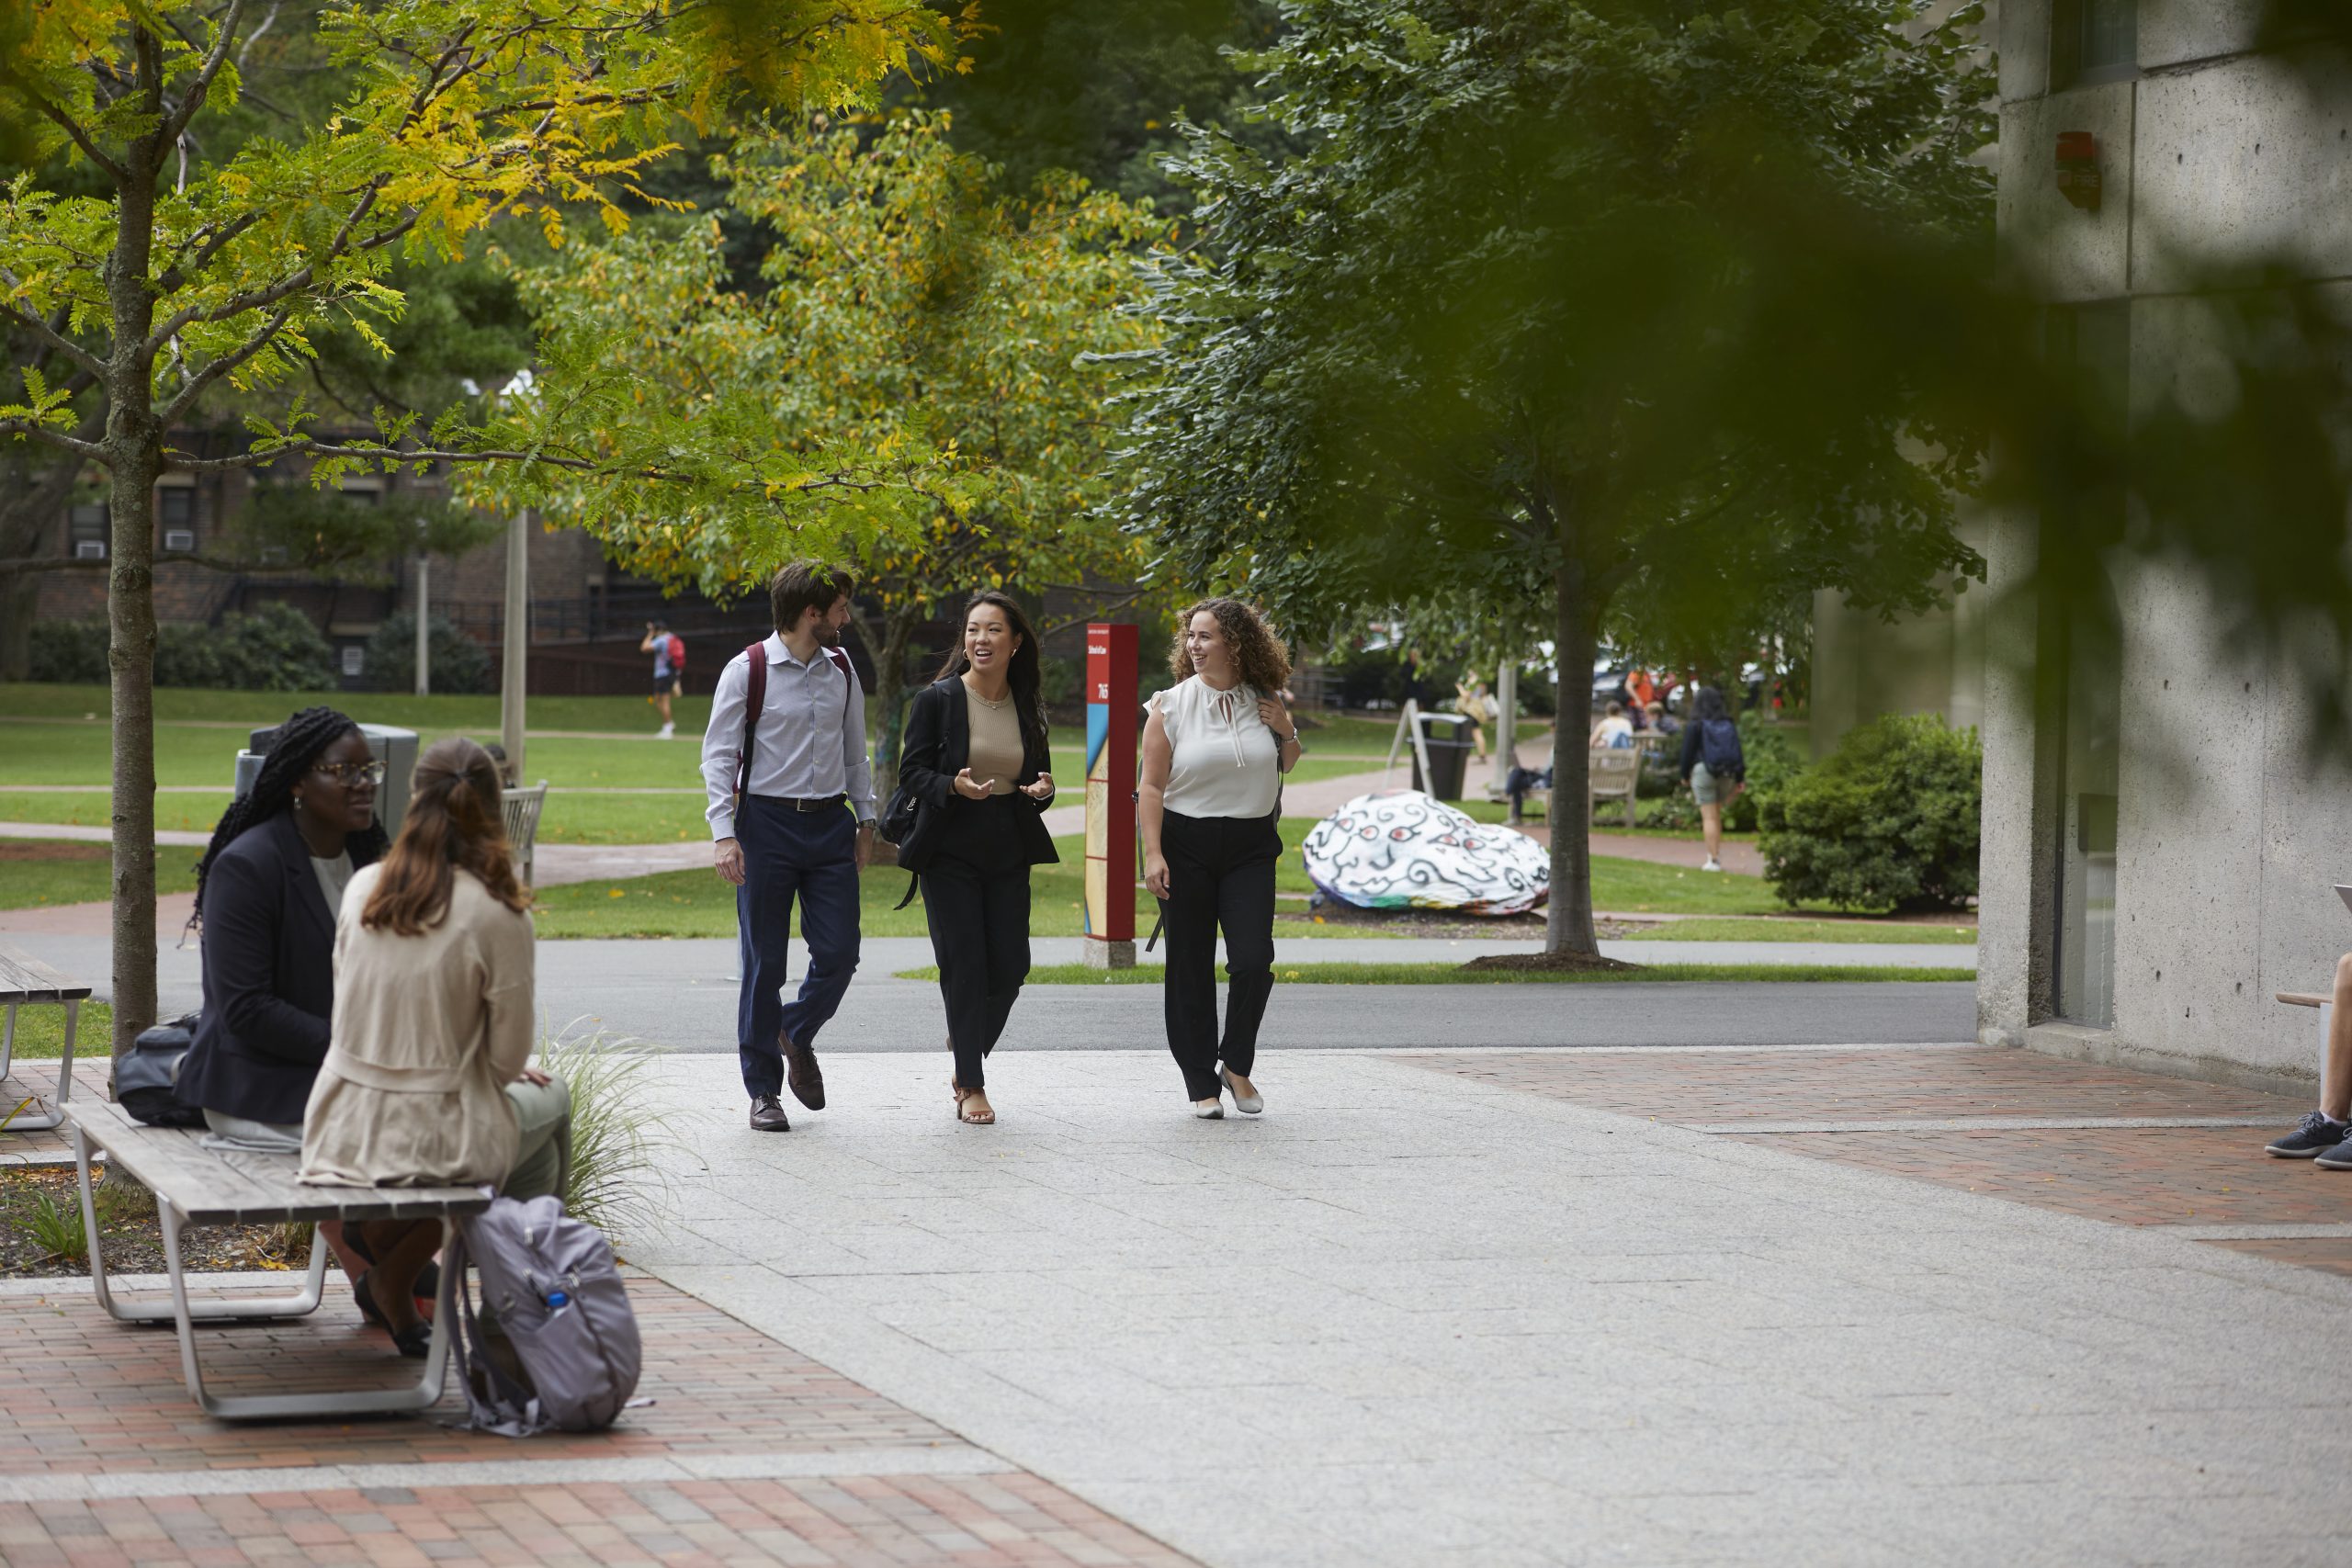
<point>1433,1317</point>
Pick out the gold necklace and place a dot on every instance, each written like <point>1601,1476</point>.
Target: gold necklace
<point>986,702</point>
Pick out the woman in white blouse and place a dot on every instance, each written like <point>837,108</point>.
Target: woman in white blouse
<point>1214,750</point>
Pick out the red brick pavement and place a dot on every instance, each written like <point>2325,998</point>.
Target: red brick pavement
<point>83,1395</point>
<point>2129,1176</point>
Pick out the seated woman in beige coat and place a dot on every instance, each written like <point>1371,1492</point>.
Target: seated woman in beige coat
<point>426,1081</point>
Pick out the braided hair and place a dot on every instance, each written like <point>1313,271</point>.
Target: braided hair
<point>302,739</point>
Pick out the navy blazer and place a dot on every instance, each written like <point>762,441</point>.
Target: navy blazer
<point>938,747</point>
<point>269,958</point>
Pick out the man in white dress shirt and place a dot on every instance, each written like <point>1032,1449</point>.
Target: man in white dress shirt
<point>802,827</point>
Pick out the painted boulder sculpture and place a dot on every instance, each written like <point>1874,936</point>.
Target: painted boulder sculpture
<point>1398,849</point>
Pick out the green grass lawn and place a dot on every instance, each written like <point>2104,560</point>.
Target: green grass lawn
<point>1454,975</point>
<point>36,872</point>
<point>40,1035</point>
<point>1853,931</point>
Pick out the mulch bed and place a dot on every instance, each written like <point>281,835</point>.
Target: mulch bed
<point>1581,962</point>
<point>1441,924</point>
<point>128,1228</point>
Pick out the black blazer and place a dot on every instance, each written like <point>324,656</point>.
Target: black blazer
<point>938,747</point>
<point>269,960</point>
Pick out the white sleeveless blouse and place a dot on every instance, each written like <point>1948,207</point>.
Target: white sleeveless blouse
<point>1226,762</point>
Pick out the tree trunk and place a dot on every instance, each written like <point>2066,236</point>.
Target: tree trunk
<point>134,447</point>
<point>18,594</point>
<point>890,697</point>
<point>1569,921</point>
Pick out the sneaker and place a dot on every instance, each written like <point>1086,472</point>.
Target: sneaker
<point>2314,1134</point>
<point>2340,1156</point>
<point>1713,865</point>
<point>669,732</point>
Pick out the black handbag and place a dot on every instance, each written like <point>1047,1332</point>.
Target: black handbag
<point>146,1080</point>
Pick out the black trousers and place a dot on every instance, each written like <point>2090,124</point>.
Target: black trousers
<point>1220,874</point>
<point>975,900</point>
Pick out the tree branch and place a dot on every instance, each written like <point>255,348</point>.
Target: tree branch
<point>220,365</point>
<point>57,438</point>
<point>71,126</point>
<point>176,123</point>
<point>81,356</point>
<point>270,294</point>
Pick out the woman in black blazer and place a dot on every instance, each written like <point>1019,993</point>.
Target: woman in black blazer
<point>268,926</point>
<point>976,758</point>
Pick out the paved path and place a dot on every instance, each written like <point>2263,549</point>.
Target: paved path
<point>1448,1309</point>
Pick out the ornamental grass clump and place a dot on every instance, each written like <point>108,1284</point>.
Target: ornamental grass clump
<point>617,1137</point>
<point>1888,822</point>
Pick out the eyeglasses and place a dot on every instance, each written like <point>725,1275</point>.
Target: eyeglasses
<point>371,771</point>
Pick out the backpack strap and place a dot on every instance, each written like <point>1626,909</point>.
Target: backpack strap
<point>849,676</point>
<point>755,698</point>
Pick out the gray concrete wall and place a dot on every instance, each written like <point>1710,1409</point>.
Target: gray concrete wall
<point>2230,834</point>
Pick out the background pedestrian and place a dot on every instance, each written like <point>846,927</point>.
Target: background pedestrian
<point>1714,766</point>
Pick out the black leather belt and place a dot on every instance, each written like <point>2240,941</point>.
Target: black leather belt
<point>794,803</point>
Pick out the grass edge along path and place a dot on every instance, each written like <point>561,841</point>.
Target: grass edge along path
<point>1432,973</point>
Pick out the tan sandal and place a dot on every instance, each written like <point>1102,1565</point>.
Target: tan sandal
<point>983,1118</point>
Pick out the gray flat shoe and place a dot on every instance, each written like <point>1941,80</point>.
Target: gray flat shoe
<point>1248,1104</point>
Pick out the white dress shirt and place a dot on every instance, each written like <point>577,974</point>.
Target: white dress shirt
<point>811,739</point>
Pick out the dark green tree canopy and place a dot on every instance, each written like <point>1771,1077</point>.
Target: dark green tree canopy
<point>1567,297</point>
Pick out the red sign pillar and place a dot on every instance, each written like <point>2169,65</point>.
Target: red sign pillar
<point>1110,795</point>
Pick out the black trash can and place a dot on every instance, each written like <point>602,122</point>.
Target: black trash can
<point>1449,748</point>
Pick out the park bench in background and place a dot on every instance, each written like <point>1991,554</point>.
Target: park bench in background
<point>523,808</point>
<point>27,981</point>
<point>195,1185</point>
<point>1614,773</point>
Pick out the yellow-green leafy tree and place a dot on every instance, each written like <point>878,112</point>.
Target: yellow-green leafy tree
<point>165,280</point>
<point>910,329</point>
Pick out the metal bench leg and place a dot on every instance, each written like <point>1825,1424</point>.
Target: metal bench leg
<point>423,1395</point>
<point>229,1308</point>
<point>41,1123</point>
<point>9,1040</point>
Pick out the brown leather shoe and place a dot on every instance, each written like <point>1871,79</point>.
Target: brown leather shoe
<point>767,1115</point>
<point>801,1072</point>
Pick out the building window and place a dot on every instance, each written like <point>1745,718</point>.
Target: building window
<point>87,531</point>
<point>2080,525</point>
<point>175,517</point>
<point>2092,40</point>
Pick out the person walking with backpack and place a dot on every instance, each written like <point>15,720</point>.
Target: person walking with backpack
<point>669,651</point>
<point>1713,766</point>
<point>791,819</point>
<point>975,759</point>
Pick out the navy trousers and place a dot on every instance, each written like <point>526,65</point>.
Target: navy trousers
<point>788,854</point>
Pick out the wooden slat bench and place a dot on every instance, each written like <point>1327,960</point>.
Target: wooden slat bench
<point>25,979</point>
<point>195,1185</point>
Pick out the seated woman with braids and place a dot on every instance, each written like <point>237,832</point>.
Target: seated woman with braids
<point>427,1082</point>
<point>267,891</point>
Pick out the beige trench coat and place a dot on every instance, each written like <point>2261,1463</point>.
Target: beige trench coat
<point>428,1031</point>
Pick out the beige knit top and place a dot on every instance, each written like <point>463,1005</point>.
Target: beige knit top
<point>428,1032</point>
<point>996,741</point>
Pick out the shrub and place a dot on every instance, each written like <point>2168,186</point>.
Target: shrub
<point>70,651</point>
<point>1772,763</point>
<point>1889,821</point>
<point>460,665</point>
<point>274,648</point>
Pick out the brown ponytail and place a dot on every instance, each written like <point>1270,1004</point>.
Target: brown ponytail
<point>454,820</point>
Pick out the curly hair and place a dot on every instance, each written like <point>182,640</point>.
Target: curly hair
<point>1258,654</point>
<point>300,742</point>
<point>454,820</point>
